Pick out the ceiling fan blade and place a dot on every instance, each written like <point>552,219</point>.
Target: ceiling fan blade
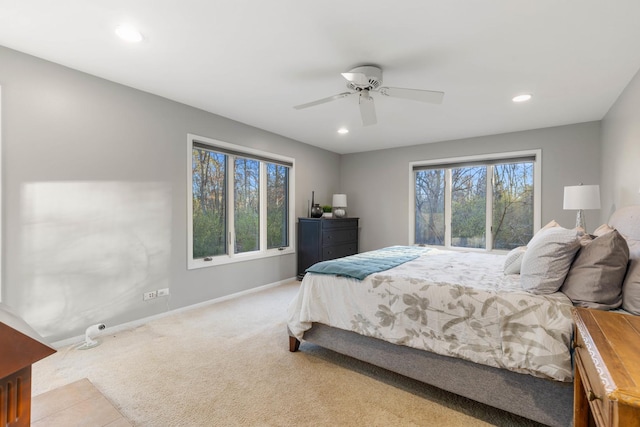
<point>430,96</point>
<point>367,109</point>
<point>323,100</point>
<point>359,79</point>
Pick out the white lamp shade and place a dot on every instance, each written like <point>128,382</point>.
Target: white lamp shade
<point>582,197</point>
<point>339,201</point>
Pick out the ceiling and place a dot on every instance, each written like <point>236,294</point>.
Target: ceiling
<point>252,60</point>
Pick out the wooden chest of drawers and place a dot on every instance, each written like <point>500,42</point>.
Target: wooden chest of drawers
<point>321,239</point>
<point>607,369</point>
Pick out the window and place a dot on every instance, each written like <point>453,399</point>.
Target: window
<point>488,202</point>
<point>239,203</point>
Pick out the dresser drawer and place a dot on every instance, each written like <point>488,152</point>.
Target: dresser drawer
<point>338,251</point>
<point>607,383</point>
<point>593,388</point>
<point>336,236</point>
<point>332,224</point>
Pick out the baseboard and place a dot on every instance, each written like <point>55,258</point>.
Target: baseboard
<point>134,323</point>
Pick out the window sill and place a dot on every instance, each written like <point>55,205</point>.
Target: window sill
<point>228,259</point>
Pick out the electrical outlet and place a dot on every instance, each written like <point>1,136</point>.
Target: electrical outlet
<point>163,292</point>
<point>149,295</point>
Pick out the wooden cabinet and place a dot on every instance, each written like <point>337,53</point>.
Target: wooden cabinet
<point>321,239</point>
<point>607,369</point>
<point>20,347</point>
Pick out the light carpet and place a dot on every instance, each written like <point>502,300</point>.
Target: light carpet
<point>228,364</point>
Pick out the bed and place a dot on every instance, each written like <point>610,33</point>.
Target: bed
<point>457,321</point>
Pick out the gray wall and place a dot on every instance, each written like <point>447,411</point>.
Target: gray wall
<point>377,182</point>
<point>94,193</point>
<point>94,198</point>
<point>621,151</point>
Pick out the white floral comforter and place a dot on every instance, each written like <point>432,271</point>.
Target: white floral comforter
<point>452,303</point>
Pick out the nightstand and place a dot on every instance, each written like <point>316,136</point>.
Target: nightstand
<point>607,369</point>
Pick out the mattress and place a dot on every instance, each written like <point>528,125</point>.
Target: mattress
<point>453,303</point>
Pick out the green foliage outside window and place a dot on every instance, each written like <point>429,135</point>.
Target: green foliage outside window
<point>468,206</point>
<point>429,222</point>
<point>209,203</point>
<point>209,185</point>
<point>512,207</point>
<point>277,206</point>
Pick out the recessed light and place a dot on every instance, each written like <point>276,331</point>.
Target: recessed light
<point>128,33</point>
<point>343,131</point>
<point>522,98</point>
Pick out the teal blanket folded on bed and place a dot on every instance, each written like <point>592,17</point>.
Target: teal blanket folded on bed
<point>361,265</point>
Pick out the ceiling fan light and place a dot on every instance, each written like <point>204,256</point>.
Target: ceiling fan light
<point>128,33</point>
<point>522,98</point>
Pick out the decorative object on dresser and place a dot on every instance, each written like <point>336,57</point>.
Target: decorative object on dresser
<point>316,210</point>
<point>581,197</point>
<point>328,211</point>
<point>325,239</point>
<point>607,372</point>
<point>339,205</point>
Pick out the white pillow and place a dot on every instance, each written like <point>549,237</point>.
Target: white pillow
<point>547,260</point>
<point>513,261</point>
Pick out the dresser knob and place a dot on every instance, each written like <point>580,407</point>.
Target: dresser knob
<point>592,396</point>
<point>575,344</point>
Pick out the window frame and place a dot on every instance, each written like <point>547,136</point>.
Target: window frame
<point>264,157</point>
<point>492,158</point>
<point>1,237</point>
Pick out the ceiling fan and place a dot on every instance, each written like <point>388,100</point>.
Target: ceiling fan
<point>365,80</point>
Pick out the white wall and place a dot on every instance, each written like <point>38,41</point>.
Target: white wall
<point>377,182</point>
<point>94,198</point>
<point>621,151</point>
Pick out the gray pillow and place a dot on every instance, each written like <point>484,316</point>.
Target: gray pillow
<point>547,260</point>
<point>631,285</point>
<point>513,261</point>
<point>595,277</point>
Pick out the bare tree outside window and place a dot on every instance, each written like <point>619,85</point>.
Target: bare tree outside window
<point>512,224</point>
<point>247,205</point>
<point>511,210</point>
<point>209,203</point>
<point>277,203</point>
<point>213,175</point>
<point>429,228</point>
<point>468,206</point>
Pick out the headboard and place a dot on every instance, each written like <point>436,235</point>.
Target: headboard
<point>627,221</point>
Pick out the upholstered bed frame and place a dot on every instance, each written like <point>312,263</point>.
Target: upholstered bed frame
<point>546,401</point>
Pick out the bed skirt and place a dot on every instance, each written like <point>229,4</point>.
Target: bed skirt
<point>542,400</point>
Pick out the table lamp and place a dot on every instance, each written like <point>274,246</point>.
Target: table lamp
<point>339,203</point>
<point>581,197</point>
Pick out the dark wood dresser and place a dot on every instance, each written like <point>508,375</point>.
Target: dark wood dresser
<point>607,369</point>
<point>321,239</point>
